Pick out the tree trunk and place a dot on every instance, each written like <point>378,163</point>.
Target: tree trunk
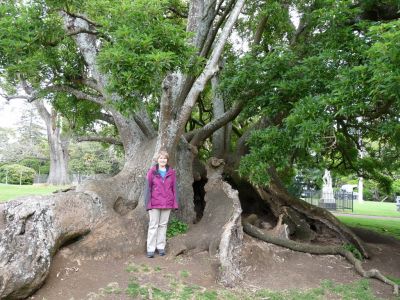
<point>59,157</point>
<point>58,146</point>
<point>219,136</point>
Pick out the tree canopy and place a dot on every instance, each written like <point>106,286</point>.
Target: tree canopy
<point>325,91</point>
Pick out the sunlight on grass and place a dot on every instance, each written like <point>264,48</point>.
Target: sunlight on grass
<point>10,191</point>
<point>388,227</point>
<point>376,209</point>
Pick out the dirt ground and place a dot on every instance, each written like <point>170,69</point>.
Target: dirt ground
<point>264,266</point>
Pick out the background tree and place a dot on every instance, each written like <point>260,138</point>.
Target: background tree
<point>94,158</point>
<point>26,141</point>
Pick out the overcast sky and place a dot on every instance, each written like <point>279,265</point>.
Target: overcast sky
<point>10,112</point>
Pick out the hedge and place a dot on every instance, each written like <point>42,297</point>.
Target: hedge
<point>16,174</point>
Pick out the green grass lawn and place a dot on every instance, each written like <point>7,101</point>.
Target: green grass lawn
<point>376,209</point>
<point>10,191</point>
<point>388,227</point>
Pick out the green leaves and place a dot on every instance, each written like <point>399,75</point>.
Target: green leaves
<point>329,98</point>
<point>16,174</point>
<point>176,227</point>
<point>384,56</point>
<point>33,44</point>
<point>144,46</point>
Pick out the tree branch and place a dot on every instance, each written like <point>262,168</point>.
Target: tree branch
<point>92,84</point>
<point>204,51</point>
<point>302,26</point>
<point>210,69</point>
<point>197,122</point>
<point>102,139</point>
<point>142,120</point>
<point>197,136</point>
<point>107,118</point>
<point>260,29</point>
<point>88,45</point>
<point>77,93</point>
<point>44,113</point>
<point>177,12</point>
<point>83,17</point>
<point>81,30</point>
<point>213,32</point>
<point>298,32</point>
<point>237,131</point>
<point>26,97</point>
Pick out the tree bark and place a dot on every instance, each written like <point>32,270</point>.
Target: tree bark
<point>32,229</point>
<point>218,137</point>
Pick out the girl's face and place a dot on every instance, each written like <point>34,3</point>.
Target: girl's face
<point>162,161</point>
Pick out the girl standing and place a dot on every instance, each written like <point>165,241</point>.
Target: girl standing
<point>160,198</point>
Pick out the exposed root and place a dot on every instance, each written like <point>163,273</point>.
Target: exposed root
<point>324,250</point>
<point>219,231</point>
<point>279,199</point>
<point>231,242</point>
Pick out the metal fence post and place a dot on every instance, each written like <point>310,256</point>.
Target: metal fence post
<point>352,202</point>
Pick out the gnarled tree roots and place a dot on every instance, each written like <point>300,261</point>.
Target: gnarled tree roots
<point>318,249</point>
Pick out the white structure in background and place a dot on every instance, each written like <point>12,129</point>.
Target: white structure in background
<point>348,188</point>
<point>327,191</point>
<point>360,197</point>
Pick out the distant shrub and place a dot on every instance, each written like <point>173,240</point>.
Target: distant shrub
<point>396,187</point>
<point>39,165</point>
<point>16,174</point>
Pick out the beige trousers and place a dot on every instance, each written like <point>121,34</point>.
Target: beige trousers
<point>157,233</point>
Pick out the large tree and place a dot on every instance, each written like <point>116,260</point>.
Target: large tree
<point>148,65</point>
<point>121,55</point>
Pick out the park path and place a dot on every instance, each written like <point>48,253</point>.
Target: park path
<point>367,216</point>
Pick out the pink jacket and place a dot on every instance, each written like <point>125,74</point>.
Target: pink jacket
<point>161,193</point>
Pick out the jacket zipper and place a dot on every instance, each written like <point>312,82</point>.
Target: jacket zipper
<point>163,180</point>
